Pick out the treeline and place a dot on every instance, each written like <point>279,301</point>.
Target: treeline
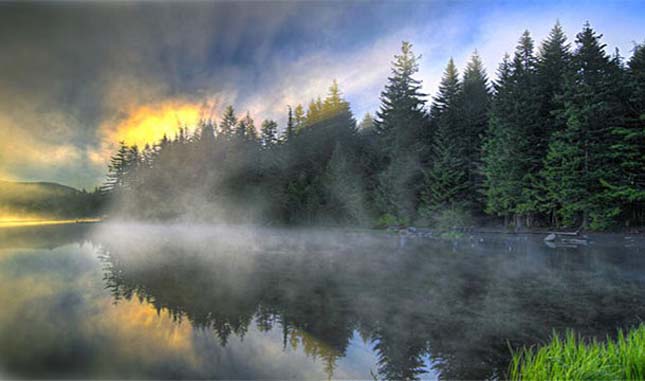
<point>557,140</point>
<point>20,200</point>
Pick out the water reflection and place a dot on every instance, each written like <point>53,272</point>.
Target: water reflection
<point>213,302</point>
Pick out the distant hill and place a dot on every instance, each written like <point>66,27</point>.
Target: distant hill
<point>44,200</point>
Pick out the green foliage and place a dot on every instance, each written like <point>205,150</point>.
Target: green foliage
<point>446,172</point>
<point>269,136</point>
<point>559,141</point>
<point>475,119</point>
<point>513,139</point>
<point>402,129</point>
<point>580,157</point>
<point>501,172</point>
<point>229,121</point>
<point>628,189</point>
<point>572,358</point>
<point>401,118</point>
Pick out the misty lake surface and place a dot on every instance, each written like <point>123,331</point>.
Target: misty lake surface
<point>149,301</point>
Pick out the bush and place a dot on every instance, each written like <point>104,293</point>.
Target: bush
<point>573,359</point>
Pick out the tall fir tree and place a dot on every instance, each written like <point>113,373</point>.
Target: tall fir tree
<point>401,119</point>
<point>334,102</point>
<point>527,125</point>
<point>402,128</point>
<point>314,112</point>
<point>119,169</point>
<point>446,180</point>
<point>269,134</point>
<point>207,134</point>
<point>228,123</point>
<point>475,114</point>
<point>367,123</point>
<point>553,68</point>
<point>580,157</point>
<point>629,149</point>
<point>246,128</point>
<point>499,170</point>
<point>290,132</point>
<point>513,125</point>
<point>299,118</point>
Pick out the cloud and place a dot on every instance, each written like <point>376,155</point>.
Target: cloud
<point>20,149</point>
<point>72,73</point>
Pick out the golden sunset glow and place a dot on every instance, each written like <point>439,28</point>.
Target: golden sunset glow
<point>7,221</point>
<point>149,123</point>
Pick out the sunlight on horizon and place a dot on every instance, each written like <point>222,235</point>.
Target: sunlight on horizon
<point>18,221</point>
<point>149,123</point>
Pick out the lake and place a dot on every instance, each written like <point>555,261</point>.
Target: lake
<point>150,301</point>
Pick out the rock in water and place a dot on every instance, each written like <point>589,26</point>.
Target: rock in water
<point>551,237</point>
<point>574,241</point>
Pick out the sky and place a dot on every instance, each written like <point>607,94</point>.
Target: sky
<point>75,78</point>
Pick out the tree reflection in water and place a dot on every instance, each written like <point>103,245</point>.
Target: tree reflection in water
<point>455,306</point>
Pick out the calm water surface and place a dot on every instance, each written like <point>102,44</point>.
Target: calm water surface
<point>144,301</point>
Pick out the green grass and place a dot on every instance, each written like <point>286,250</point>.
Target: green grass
<point>572,358</point>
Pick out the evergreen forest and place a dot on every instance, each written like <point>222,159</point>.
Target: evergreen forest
<point>556,139</point>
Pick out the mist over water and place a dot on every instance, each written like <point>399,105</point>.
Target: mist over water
<point>217,301</point>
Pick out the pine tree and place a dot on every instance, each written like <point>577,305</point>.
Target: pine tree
<point>246,129</point>
<point>299,118</point>
<point>527,124</point>
<point>401,118</point>
<point>334,102</point>
<point>148,156</point>
<point>291,128</point>
<point>367,124</point>
<point>402,128</point>
<point>269,136</point>
<point>207,133</point>
<point>228,123</point>
<point>314,112</point>
<point>629,150</point>
<point>446,181</point>
<point>514,121</point>
<point>500,173</point>
<point>336,109</point>
<point>580,157</point>
<point>132,167</point>
<point>251,131</point>
<point>119,168</point>
<point>474,117</point>
<point>553,67</point>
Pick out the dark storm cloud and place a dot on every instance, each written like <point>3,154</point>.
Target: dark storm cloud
<point>67,67</point>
